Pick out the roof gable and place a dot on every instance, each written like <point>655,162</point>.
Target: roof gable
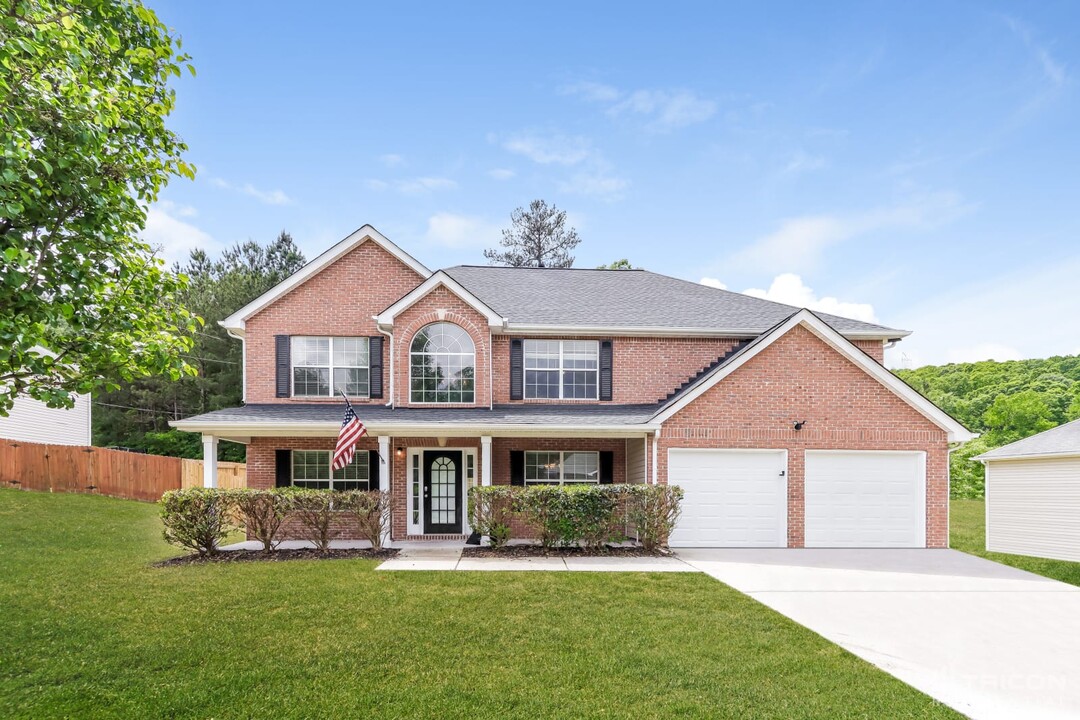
<point>843,346</point>
<point>1062,441</point>
<point>439,279</point>
<point>236,322</point>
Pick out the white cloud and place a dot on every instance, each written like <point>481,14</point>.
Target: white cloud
<point>802,162</point>
<point>173,238</point>
<point>1026,313</point>
<point>269,197</point>
<point>412,186</point>
<point>501,173</point>
<point>391,160</point>
<point>1055,72</point>
<point>713,282</point>
<point>798,244</point>
<point>664,110</point>
<point>789,289</point>
<point>595,184</point>
<point>461,231</point>
<point>550,149</point>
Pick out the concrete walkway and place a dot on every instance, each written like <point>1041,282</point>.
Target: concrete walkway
<point>989,640</point>
<point>428,556</point>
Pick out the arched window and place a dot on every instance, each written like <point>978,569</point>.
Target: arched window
<point>442,365</point>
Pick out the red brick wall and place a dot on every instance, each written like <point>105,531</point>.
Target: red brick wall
<point>439,305</point>
<point>873,348</point>
<point>799,377</point>
<point>339,301</point>
<point>644,369</point>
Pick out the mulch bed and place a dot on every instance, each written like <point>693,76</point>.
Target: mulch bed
<point>530,551</point>
<point>234,556</point>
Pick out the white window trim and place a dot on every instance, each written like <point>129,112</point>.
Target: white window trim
<point>562,465</point>
<point>459,354</point>
<point>330,338</point>
<point>331,479</point>
<point>561,369</point>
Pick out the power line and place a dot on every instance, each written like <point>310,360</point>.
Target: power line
<point>131,407</point>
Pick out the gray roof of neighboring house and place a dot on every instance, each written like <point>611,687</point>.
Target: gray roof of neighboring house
<point>629,298</point>
<point>526,414</point>
<point>1062,440</point>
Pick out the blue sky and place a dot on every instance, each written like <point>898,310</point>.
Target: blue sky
<point>918,164</point>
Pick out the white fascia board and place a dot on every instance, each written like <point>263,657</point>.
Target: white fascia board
<point>1030,456</point>
<point>235,322</point>
<point>667,331</point>
<point>806,318</point>
<point>330,429</point>
<point>440,278</point>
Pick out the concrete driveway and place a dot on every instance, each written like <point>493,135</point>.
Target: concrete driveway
<point>986,639</point>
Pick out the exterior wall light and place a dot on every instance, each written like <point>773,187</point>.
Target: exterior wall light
<point>799,424</point>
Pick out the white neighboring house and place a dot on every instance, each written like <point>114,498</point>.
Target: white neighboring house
<point>1033,495</point>
<point>32,421</point>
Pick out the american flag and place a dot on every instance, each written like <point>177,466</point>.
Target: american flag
<point>351,431</point>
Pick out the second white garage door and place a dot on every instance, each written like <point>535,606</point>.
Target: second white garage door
<point>733,498</point>
<point>858,498</point>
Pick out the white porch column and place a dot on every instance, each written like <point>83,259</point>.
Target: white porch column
<point>209,461</point>
<point>485,459</point>
<point>385,473</point>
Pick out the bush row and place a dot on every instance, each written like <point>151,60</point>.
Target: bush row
<point>198,519</point>
<point>571,515</point>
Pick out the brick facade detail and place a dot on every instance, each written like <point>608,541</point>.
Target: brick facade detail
<point>799,377</point>
<point>341,300</point>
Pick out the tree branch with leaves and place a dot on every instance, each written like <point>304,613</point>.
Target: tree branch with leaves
<point>538,237</point>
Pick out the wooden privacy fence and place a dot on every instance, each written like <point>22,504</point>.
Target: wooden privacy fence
<point>77,468</point>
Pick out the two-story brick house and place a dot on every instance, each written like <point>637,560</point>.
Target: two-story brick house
<point>781,425</point>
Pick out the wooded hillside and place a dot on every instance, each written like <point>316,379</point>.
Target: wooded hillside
<point>1004,401</point>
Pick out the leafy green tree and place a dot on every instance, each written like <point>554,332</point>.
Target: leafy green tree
<point>1019,415</point>
<point>622,264</point>
<point>84,149</point>
<point>136,414</point>
<point>537,237</point>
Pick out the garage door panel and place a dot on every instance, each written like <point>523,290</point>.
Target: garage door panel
<point>732,498</point>
<point>858,498</point>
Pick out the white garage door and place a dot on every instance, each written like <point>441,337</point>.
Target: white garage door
<point>865,499</point>
<point>733,498</point>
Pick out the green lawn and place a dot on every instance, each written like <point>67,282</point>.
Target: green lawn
<point>967,532</point>
<point>89,629</point>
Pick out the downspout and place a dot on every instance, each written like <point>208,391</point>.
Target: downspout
<point>491,373</point>
<point>390,337</point>
<point>243,363</point>
<point>655,450</point>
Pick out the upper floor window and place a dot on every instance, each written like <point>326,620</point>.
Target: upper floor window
<point>324,366</point>
<point>561,468</point>
<point>442,364</point>
<point>562,369</point>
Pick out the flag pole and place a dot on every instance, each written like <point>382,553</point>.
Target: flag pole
<point>349,405</point>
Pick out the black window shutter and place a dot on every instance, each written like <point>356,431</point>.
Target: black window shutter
<point>375,363</point>
<point>517,369</point>
<point>281,356</point>
<point>605,369</point>
<point>607,467</point>
<point>517,467</point>
<point>373,470</point>
<point>283,468</point>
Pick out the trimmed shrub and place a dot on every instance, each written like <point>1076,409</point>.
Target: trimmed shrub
<point>653,511</point>
<point>491,508</point>
<point>371,509</point>
<point>261,513</point>
<point>314,512</point>
<point>196,518</point>
<point>571,515</point>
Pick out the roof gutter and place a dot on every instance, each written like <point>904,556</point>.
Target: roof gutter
<point>398,429</point>
<point>659,331</point>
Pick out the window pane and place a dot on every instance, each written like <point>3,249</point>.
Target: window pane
<point>353,381</point>
<point>542,466</point>
<point>442,365</point>
<point>311,381</point>
<point>580,384</point>
<point>581,467</point>
<point>310,351</point>
<point>356,470</point>
<point>542,384</point>
<point>350,352</point>
<point>310,465</point>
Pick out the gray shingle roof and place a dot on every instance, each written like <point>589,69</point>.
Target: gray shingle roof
<point>628,298</point>
<point>1064,439</point>
<point>527,414</point>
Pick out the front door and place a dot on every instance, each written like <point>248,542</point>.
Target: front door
<point>442,492</point>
